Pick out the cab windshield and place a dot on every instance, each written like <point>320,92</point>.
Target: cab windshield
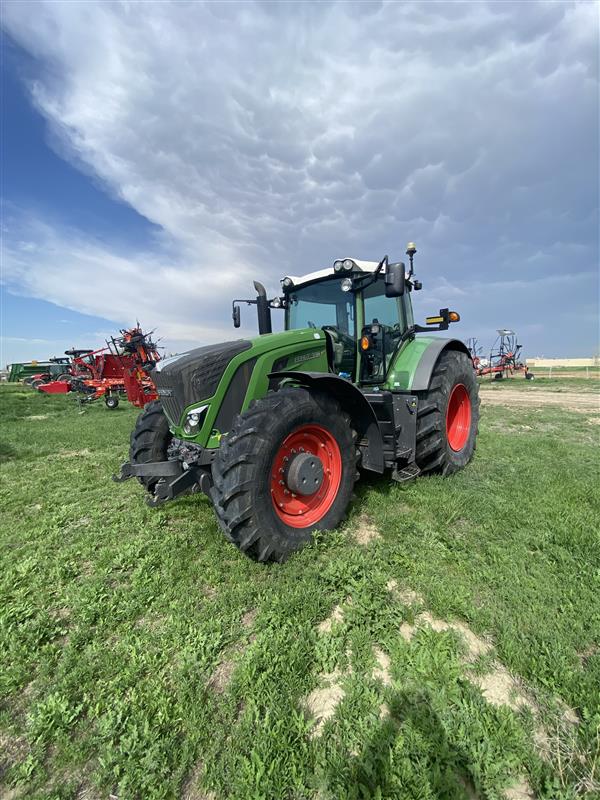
<point>322,304</point>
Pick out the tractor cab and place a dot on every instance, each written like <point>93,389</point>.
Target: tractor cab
<point>363,302</point>
<point>364,309</point>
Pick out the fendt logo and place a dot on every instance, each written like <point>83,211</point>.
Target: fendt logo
<point>307,356</point>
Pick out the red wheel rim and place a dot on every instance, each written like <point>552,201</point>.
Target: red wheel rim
<point>458,417</point>
<point>301,511</point>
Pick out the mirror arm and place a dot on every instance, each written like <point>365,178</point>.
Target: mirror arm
<point>369,279</point>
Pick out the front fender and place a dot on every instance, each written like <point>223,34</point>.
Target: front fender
<point>353,401</point>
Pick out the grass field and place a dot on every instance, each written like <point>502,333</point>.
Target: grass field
<point>444,644</point>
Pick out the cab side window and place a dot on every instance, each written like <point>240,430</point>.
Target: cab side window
<point>384,310</point>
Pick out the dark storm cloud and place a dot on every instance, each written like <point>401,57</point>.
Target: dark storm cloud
<point>271,138</point>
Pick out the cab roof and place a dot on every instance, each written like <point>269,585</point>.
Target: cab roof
<point>363,266</point>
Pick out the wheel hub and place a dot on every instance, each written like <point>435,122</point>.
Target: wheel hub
<point>312,452</point>
<point>304,474</point>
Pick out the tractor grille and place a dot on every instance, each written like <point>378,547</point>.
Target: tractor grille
<point>172,408</point>
<point>194,376</point>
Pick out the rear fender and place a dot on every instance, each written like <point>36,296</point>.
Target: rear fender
<point>354,403</point>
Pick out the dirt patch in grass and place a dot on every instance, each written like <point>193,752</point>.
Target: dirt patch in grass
<point>500,688</point>
<point>191,789</point>
<point>382,670</point>
<point>476,645</point>
<point>151,623</point>
<point>221,677</point>
<point>585,655</point>
<point>74,453</point>
<point>520,790</point>
<point>249,617</point>
<point>87,792</point>
<point>406,596</point>
<point>13,750</point>
<point>322,702</point>
<point>571,401</point>
<point>365,532</point>
<point>37,416</point>
<point>337,615</point>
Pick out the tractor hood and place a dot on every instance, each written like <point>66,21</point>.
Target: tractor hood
<point>186,379</point>
<point>221,373</point>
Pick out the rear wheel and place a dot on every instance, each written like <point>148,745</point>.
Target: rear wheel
<point>448,415</point>
<point>150,440</point>
<point>286,469</point>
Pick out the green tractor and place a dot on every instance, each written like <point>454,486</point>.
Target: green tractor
<point>276,429</point>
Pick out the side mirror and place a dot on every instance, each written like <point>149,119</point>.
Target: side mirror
<point>395,280</point>
<point>236,317</point>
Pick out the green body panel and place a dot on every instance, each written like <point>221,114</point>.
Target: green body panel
<point>303,350</point>
<point>20,371</point>
<point>405,362</point>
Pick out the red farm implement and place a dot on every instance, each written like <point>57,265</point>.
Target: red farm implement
<point>56,369</point>
<point>120,368</point>
<point>504,360</point>
<point>138,354</point>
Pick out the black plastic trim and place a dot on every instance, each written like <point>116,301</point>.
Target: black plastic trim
<point>235,395</point>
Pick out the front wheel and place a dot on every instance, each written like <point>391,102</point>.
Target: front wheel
<point>150,440</point>
<point>448,415</point>
<point>286,469</point>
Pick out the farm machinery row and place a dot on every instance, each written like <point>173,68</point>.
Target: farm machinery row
<point>119,369</point>
<point>504,360</point>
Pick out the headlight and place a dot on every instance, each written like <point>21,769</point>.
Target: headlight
<point>194,419</point>
<point>275,302</point>
<point>287,283</point>
<point>346,284</point>
<point>338,266</point>
<point>348,263</point>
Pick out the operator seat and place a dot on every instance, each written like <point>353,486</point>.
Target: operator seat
<point>340,357</point>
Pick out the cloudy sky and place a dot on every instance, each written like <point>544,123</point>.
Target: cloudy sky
<point>158,157</point>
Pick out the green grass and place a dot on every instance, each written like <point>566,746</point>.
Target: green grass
<point>143,656</point>
<point>556,383</point>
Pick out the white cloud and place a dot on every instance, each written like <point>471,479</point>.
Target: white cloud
<point>271,138</point>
